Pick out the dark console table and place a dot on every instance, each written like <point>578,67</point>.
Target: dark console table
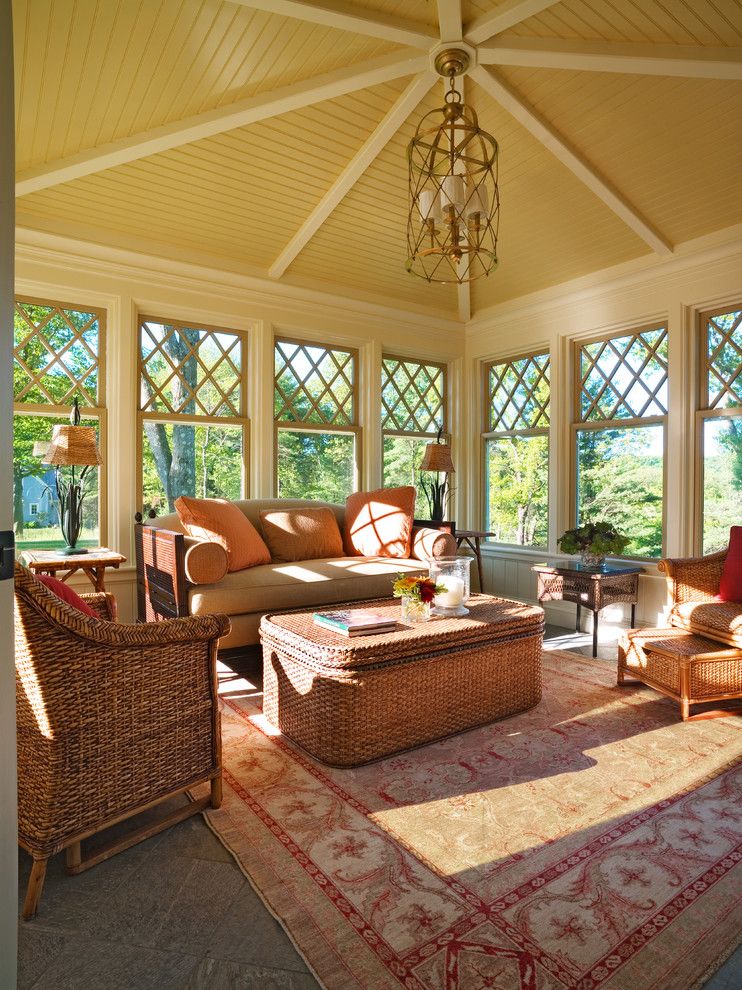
<point>591,587</point>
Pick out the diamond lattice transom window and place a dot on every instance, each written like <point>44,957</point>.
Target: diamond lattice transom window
<point>56,355</point>
<point>190,370</point>
<point>724,360</point>
<point>624,377</point>
<point>412,396</point>
<point>314,384</point>
<point>519,394</point>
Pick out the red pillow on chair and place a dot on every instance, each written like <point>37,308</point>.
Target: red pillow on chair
<point>730,586</point>
<point>60,589</point>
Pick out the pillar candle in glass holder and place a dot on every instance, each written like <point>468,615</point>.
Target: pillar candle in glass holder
<point>451,573</point>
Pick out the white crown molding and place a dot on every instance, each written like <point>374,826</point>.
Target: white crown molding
<point>706,251</point>
<point>65,253</point>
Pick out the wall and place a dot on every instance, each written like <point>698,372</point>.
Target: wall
<point>125,285</point>
<point>8,819</point>
<point>701,275</point>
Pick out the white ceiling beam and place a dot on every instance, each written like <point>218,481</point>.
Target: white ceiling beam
<point>348,17</point>
<point>328,86</point>
<point>504,16</point>
<point>526,115</point>
<point>449,20</point>
<point>355,168</point>
<point>654,60</point>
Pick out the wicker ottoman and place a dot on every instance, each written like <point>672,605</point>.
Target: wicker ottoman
<point>350,701</point>
<point>681,665</point>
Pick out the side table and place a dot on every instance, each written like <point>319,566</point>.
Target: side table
<point>93,564</point>
<point>472,539</point>
<point>595,588</point>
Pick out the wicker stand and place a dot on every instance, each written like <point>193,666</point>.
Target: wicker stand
<point>350,701</point>
<point>683,666</point>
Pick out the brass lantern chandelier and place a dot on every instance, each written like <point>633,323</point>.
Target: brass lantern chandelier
<point>454,205</point>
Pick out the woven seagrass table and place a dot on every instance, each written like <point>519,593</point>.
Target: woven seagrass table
<point>350,701</point>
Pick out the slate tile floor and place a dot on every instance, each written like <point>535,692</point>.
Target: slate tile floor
<point>175,912</point>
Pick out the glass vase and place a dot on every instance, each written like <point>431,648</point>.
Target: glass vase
<point>414,610</point>
<point>453,574</point>
<point>592,560</point>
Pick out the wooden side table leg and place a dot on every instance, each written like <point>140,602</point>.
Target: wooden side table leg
<point>633,615</point>
<point>478,552</point>
<point>578,617</point>
<point>595,634</point>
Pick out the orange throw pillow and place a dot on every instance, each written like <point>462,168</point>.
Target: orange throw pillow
<point>301,534</point>
<point>379,524</point>
<point>220,521</point>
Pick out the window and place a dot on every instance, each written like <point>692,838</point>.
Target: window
<point>720,426</point>
<point>57,358</point>
<point>413,413</point>
<point>193,425</point>
<point>315,411</point>
<point>620,416</point>
<point>516,450</point>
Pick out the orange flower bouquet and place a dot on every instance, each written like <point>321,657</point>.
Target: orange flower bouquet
<point>416,593</point>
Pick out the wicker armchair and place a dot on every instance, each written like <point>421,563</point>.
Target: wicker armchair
<point>112,719</point>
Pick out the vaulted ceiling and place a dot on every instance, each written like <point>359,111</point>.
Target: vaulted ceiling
<point>268,136</point>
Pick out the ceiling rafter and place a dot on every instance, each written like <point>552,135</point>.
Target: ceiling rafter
<point>450,24</point>
<point>348,17</point>
<point>327,86</point>
<point>382,134</point>
<point>526,115</point>
<point>642,59</point>
<point>504,16</point>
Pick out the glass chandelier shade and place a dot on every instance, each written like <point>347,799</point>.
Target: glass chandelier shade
<point>454,202</point>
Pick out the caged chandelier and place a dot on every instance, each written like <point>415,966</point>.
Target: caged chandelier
<point>454,200</point>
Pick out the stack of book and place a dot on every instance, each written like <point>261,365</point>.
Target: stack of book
<point>350,622</point>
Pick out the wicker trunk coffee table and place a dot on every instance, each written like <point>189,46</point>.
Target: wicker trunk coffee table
<point>350,701</point>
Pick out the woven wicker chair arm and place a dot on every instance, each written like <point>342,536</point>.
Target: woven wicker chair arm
<point>192,629</point>
<point>103,604</point>
<point>693,578</point>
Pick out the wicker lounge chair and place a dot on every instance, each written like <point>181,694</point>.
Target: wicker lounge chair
<point>698,657</point>
<point>112,719</point>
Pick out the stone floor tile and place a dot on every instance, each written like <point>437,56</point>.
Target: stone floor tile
<point>248,933</point>
<point>217,974</point>
<point>37,949</point>
<point>729,976</point>
<point>87,964</point>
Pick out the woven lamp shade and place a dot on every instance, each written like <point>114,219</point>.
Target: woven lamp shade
<point>437,457</point>
<point>73,446</point>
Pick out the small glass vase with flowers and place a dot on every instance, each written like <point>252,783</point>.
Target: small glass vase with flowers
<point>416,594</point>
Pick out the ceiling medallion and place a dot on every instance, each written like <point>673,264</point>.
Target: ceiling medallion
<point>454,205</point>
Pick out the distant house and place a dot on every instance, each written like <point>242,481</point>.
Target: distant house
<point>38,502</point>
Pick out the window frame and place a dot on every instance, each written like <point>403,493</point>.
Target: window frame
<point>99,412</point>
<point>704,412</point>
<point>578,425</point>
<point>192,419</point>
<point>415,434</point>
<point>487,435</point>
<point>293,426</point>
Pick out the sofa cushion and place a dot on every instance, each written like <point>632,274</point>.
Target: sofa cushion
<point>63,591</point>
<point>301,534</point>
<point>430,544</point>
<point>379,523</point>
<point>303,583</point>
<point>205,563</point>
<point>721,621</point>
<point>218,520</point>
<point>730,585</point>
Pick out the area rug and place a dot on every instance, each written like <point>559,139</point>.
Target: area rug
<point>591,842</point>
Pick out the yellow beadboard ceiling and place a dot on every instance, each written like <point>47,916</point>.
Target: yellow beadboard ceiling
<point>270,135</point>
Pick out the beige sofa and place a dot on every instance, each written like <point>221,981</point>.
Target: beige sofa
<point>179,575</point>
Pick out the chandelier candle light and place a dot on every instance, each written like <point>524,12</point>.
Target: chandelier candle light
<point>454,199</point>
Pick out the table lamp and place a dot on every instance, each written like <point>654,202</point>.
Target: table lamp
<point>437,461</point>
<point>72,446</point>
